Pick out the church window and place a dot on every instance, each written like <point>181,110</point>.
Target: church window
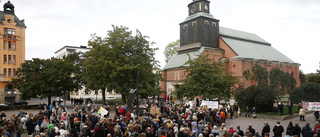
<point>86,92</point>
<point>176,76</point>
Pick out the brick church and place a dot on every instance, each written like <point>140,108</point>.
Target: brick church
<point>239,50</point>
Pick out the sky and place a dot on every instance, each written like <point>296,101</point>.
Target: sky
<point>291,26</point>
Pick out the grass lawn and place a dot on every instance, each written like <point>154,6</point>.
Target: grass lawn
<point>285,111</point>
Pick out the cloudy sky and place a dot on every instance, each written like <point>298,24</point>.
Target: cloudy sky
<point>291,26</point>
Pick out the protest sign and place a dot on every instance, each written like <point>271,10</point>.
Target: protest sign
<point>210,104</point>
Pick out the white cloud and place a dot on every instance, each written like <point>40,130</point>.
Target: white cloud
<point>291,26</point>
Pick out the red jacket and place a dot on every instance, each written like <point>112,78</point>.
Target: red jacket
<point>128,116</point>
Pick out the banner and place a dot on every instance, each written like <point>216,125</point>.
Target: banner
<point>103,111</point>
<point>315,106</point>
<point>210,104</point>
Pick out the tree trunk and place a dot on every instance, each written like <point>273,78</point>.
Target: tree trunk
<point>49,100</point>
<point>65,98</point>
<point>123,97</point>
<point>103,96</point>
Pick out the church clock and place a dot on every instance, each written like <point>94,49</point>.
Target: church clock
<point>199,29</point>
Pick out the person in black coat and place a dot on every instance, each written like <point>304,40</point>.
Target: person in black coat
<point>307,131</point>
<point>251,130</point>
<point>290,105</point>
<point>297,130</point>
<point>266,128</point>
<point>278,130</point>
<point>316,114</point>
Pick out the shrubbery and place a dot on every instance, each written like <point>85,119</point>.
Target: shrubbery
<point>308,91</point>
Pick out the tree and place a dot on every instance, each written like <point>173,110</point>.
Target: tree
<point>313,77</point>
<point>205,76</point>
<point>260,97</point>
<point>171,49</point>
<point>46,78</point>
<point>279,81</point>
<point>308,91</point>
<point>266,88</point>
<point>302,77</point>
<point>121,61</point>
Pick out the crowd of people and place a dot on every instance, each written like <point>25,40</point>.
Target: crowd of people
<point>172,120</point>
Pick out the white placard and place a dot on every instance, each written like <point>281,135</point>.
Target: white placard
<point>210,104</point>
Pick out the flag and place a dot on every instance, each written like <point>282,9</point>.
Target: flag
<point>103,111</point>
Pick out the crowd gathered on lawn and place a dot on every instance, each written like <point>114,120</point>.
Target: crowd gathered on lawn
<point>171,120</point>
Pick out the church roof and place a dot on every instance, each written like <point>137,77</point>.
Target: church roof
<point>258,51</point>
<point>244,44</point>
<point>179,60</point>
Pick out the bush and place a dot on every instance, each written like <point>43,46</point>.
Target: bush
<point>308,91</point>
<point>260,97</point>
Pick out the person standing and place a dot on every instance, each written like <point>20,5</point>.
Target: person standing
<point>307,131</point>
<point>278,130</point>
<point>297,130</point>
<point>275,106</point>
<point>290,105</point>
<point>302,113</point>
<point>266,128</point>
<point>316,115</point>
<point>235,108</point>
<point>280,106</point>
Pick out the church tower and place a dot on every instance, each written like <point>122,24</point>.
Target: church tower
<point>199,29</point>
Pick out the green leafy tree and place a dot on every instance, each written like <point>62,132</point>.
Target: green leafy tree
<point>302,77</point>
<point>171,49</point>
<point>205,76</point>
<point>121,61</point>
<point>266,88</point>
<point>260,97</point>
<point>308,91</point>
<point>46,78</point>
<point>313,77</point>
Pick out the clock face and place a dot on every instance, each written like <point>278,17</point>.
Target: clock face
<point>193,8</point>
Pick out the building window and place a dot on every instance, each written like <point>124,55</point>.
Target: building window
<point>14,59</point>
<point>14,45</point>
<point>86,92</point>
<point>176,76</point>
<point>5,45</point>
<point>9,59</point>
<point>5,72</point>
<point>9,31</point>
<point>5,59</point>
<point>14,72</point>
<point>9,72</point>
<point>9,44</point>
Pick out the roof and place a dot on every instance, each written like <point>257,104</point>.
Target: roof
<point>246,49</point>
<point>74,47</point>
<point>16,19</point>
<point>179,60</point>
<point>241,35</point>
<point>244,44</point>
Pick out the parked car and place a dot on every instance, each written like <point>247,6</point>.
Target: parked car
<point>1,104</point>
<point>20,102</point>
